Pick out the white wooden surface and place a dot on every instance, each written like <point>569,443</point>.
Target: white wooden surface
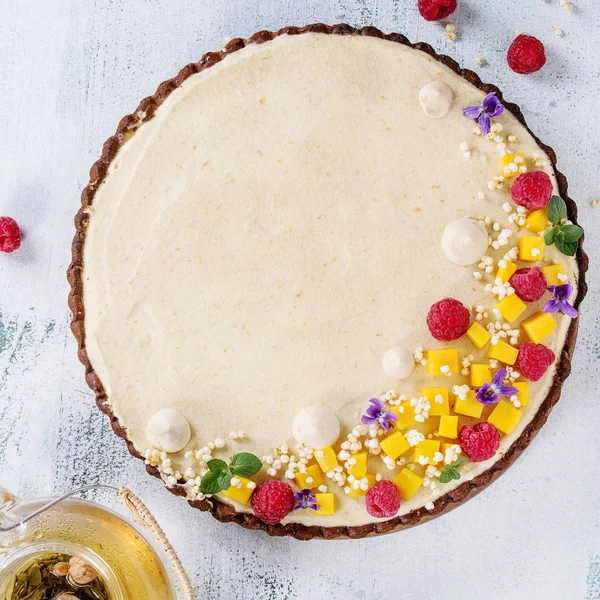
<point>69,69</point>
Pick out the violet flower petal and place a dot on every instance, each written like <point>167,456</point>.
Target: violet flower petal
<point>472,112</point>
<point>552,306</point>
<point>485,123</point>
<point>486,394</point>
<point>366,420</point>
<point>507,390</point>
<point>569,310</point>
<point>492,105</point>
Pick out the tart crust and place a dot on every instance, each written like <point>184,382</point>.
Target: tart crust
<point>224,512</point>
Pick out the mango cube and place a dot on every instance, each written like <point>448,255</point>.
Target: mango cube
<point>359,469</point>
<point>438,398</point>
<point>511,307</point>
<point>327,459</point>
<point>240,494</point>
<point>357,493</point>
<point>426,449</point>
<point>448,427</point>
<point>539,326</point>
<point>405,413</point>
<point>551,273</point>
<point>505,417</point>
<point>537,220</point>
<point>407,482</point>
<point>469,407</point>
<point>531,248</point>
<point>446,357</point>
<point>511,164</point>
<point>394,445</point>
<point>480,374</point>
<point>503,352</point>
<point>326,502</point>
<point>506,271</point>
<point>313,478</point>
<point>523,392</point>
<point>478,335</point>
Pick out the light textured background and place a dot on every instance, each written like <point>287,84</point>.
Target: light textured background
<point>69,69</point>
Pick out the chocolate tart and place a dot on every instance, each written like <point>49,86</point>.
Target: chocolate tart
<point>220,510</point>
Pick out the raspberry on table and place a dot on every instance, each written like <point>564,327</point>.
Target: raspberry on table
<point>480,441</point>
<point>10,235</point>
<point>526,54</point>
<point>272,501</point>
<point>433,10</point>
<point>448,320</point>
<point>533,360</point>
<point>383,499</point>
<point>529,284</point>
<point>532,190</point>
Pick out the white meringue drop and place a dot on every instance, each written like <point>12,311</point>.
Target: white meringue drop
<point>398,362</point>
<point>316,426</point>
<point>465,241</point>
<point>436,99</point>
<point>168,430</point>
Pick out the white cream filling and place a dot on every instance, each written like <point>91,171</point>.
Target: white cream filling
<point>262,241</point>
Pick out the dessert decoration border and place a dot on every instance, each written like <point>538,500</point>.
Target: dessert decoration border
<point>224,512</point>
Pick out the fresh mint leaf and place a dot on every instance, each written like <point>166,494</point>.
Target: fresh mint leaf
<point>557,210</point>
<point>245,464</point>
<point>567,248</point>
<point>451,472</point>
<point>216,465</point>
<point>224,479</point>
<point>551,236</point>
<point>572,233</point>
<point>210,483</point>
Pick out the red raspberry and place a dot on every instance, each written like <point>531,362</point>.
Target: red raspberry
<point>533,360</point>
<point>529,284</point>
<point>272,501</point>
<point>448,320</point>
<point>433,10</point>
<point>532,190</point>
<point>383,499</point>
<point>526,54</point>
<point>480,441</point>
<point>10,235</point>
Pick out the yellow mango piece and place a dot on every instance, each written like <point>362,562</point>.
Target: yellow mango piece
<point>505,417</point>
<point>360,492</point>
<point>539,326</point>
<point>405,413</point>
<point>359,469</point>
<point>551,273</point>
<point>523,392</point>
<point>503,352</point>
<point>394,445</point>
<point>469,407</point>
<point>537,220</point>
<point>511,307</point>
<point>240,494</point>
<point>480,374</point>
<point>446,357</point>
<point>511,164</point>
<point>407,482</point>
<point>434,395</point>
<point>326,459</point>
<point>313,478</point>
<point>427,449</point>
<point>531,248</point>
<point>326,502</point>
<point>448,427</point>
<point>478,335</point>
<point>505,272</point>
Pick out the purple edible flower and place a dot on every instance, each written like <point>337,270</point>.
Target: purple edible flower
<point>489,393</point>
<point>306,499</point>
<point>560,302</point>
<point>491,107</point>
<point>376,413</point>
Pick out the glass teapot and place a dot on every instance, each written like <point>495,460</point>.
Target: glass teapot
<point>79,550</point>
